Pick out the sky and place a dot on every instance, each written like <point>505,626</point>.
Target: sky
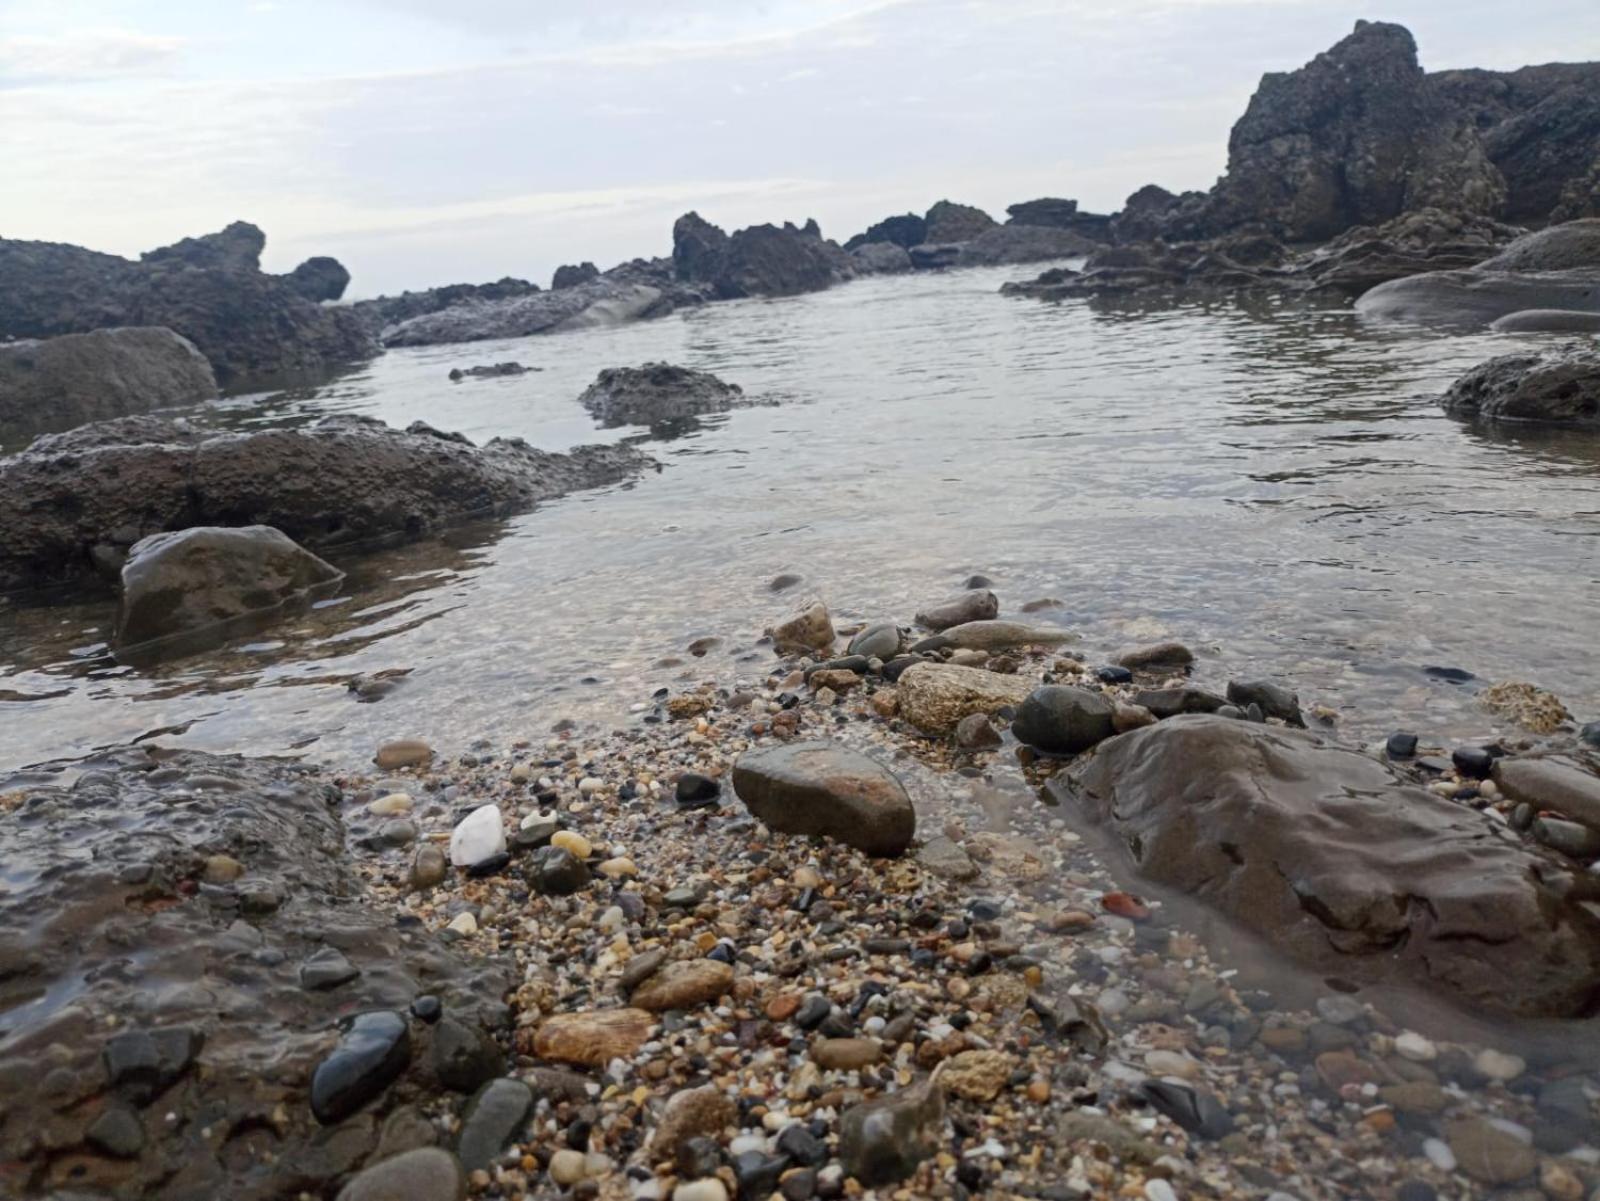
<point>424,142</point>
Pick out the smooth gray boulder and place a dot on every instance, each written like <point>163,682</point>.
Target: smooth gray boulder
<point>61,383</point>
<point>1061,719</point>
<point>193,581</point>
<point>823,789</point>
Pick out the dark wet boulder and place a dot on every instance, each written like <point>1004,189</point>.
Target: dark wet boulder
<point>948,222</point>
<point>570,276</point>
<point>373,1049</point>
<point>904,231</point>
<point>1272,698</point>
<point>482,371</point>
<point>656,393</point>
<point>1355,137</point>
<point>615,298</point>
<point>237,247</point>
<point>60,383</point>
<point>821,788</point>
<point>75,500</point>
<point>699,249</point>
<point>1561,388</point>
<point>379,313</point>
<point>1337,860</point>
<point>879,258</point>
<point>319,278</point>
<point>1061,719</point>
<point>1573,246</point>
<point>195,580</point>
<point>1057,213</point>
<point>1547,321</point>
<point>1149,213</point>
<point>771,260</point>
<point>1428,239</point>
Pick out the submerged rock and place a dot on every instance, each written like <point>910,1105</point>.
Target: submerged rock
<point>657,393</point>
<point>1001,635</point>
<point>808,629</point>
<point>883,1141</point>
<point>205,580</point>
<point>488,371</point>
<point>977,604</point>
<point>61,383</point>
<point>74,499</point>
<point>823,789</point>
<point>1334,858</point>
<point>1561,389</point>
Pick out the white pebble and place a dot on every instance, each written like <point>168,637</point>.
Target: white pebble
<point>1411,1045</point>
<point>567,1166</point>
<point>746,1142</point>
<point>589,785</point>
<point>709,1189</point>
<point>1439,1154</point>
<point>479,836</point>
<point>464,924</point>
<point>1498,1065</point>
<point>1159,1190</point>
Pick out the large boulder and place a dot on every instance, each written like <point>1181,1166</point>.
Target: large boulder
<point>879,258</point>
<point>1556,268</point>
<point>824,789</point>
<point>59,383</point>
<point>699,249</point>
<point>1355,137</point>
<point>1023,244</point>
<point>74,503</point>
<point>250,325</point>
<point>1336,860</point>
<point>1062,719</point>
<point>1428,239</point>
<point>657,393</point>
<point>948,222</point>
<point>190,582</point>
<point>768,260</point>
<point>1558,388</point>
<point>934,697</point>
<point>319,278</point>
<point>609,300</point>
<point>904,231</point>
<point>1056,213</point>
<point>381,312</point>
<point>569,275</point>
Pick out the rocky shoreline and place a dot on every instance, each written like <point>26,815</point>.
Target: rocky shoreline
<point>592,965</point>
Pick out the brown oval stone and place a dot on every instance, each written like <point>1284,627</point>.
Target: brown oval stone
<point>845,1054</point>
<point>684,984</point>
<point>594,1038</point>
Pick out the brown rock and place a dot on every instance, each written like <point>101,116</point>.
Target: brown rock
<point>824,789</point>
<point>1156,657</point>
<point>595,1038</point>
<point>692,1113</point>
<point>934,697</point>
<point>1488,1153</point>
<point>1131,717</point>
<point>977,605</point>
<point>403,752</point>
<point>683,985</point>
<point>977,1075</point>
<point>838,679</point>
<point>810,629</point>
<point>845,1054</point>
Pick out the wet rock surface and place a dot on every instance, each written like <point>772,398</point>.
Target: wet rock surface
<point>1338,861</point>
<point>1562,389</point>
<point>657,393</point>
<point>63,382</point>
<point>188,583</point>
<point>819,789</point>
<point>72,499</point>
<point>210,1021</point>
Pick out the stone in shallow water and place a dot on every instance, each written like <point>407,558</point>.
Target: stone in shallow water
<point>1156,657</point>
<point>1061,719</point>
<point>480,835</point>
<point>883,1141</point>
<point>1554,783</point>
<point>1273,699</point>
<point>1195,1109</point>
<point>973,605</point>
<point>373,1050</point>
<point>327,968</point>
<point>881,640</point>
<point>426,1174</point>
<point>934,697</point>
<point>823,789</point>
<point>403,752</point>
<point>491,1120</point>
<point>1489,1154</point>
<point>809,629</point>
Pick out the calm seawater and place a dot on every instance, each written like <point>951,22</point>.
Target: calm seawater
<point>1274,485</point>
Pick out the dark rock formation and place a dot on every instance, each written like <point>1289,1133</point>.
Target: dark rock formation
<point>157,897</point>
<point>1540,128</point>
<point>698,249</point>
<point>488,371</point>
<point>1056,213</point>
<point>766,260</point>
<point>1146,214</point>
<point>248,324</point>
<point>1355,137</point>
<point>1334,859</point>
<point>59,383</point>
<point>1428,239</point>
<point>319,278</point>
<point>656,393</point>
<point>568,276</point>
<point>879,258</point>
<point>1562,388</point>
<point>904,231</point>
<point>73,503</point>
<point>238,247</point>
<point>384,311</point>
<point>1580,196</point>
<point>1019,244</point>
<point>192,581</point>
<point>1554,269</point>
<point>949,222</point>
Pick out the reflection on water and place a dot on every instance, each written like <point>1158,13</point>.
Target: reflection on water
<point>1274,484</point>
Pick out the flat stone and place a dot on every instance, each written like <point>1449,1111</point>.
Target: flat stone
<point>934,697</point>
<point>1170,702</point>
<point>1554,783</point>
<point>491,1120</point>
<point>880,640</point>
<point>692,1113</point>
<point>1273,699</point>
<point>593,1039</point>
<point>684,985</point>
<point>823,789</point>
<point>972,605</point>
<point>327,968</point>
<point>373,1050</point>
<point>1488,1154</point>
<point>426,1174</point>
<point>117,1132</point>
<point>846,1054</point>
<point>944,857</point>
<point>1580,842</point>
<point>403,752</point>
<point>1156,657</point>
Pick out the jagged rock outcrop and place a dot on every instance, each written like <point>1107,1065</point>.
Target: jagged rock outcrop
<point>948,222</point>
<point>762,260</point>
<point>904,231</point>
<point>1559,389</point>
<point>383,311</point>
<point>1580,196</point>
<point>1023,244</point>
<point>1146,214</point>
<point>699,249</point>
<point>569,276</point>
<point>60,383</point>
<point>1057,213</point>
<point>656,393</point>
<point>1355,137</point>
<point>250,325</point>
<point>320,278</point>
<point>72,504</point>
<point>1335,859</point>
<point>880,258</point>
<point>1540,127</point>
<point>1555,269</point>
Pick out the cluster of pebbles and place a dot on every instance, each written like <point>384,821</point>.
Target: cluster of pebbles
<point>707,1008</point>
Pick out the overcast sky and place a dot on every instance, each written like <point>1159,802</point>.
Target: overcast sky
<point>431,141</point>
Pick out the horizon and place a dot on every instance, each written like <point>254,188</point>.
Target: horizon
<point>422,144</point>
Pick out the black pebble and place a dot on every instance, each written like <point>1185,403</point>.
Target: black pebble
<point>1112,674</point>
<point>427,1008</point>
<point>812,1011</point>
<point>1401,745</point>
<point>695,791</point>
<point>800,1145</point>
<point>492,866</point>
<point>1474,761</point>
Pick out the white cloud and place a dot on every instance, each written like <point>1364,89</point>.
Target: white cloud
<point>86,54</point>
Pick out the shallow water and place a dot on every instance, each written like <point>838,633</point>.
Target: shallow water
<point>1276,486</point>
